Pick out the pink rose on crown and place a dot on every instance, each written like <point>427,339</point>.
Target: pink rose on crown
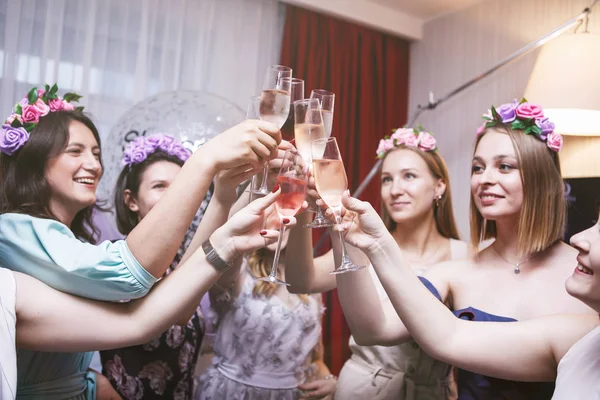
<point>554,141</point>
<point>385,145</point>
<point>42,107</point>
<point>426,141</point>
<point>67,106</point>
<point>30,114</point>
<point>406,137</point>
<point>55,104</point>
<point>528,110</point>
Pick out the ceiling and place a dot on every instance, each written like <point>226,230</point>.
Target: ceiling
<point>426,9</point>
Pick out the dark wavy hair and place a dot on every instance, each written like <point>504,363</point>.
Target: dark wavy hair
<point>130,178</point>
<point>23,185</point>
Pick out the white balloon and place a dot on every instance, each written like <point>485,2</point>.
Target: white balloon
<point>191,117</point>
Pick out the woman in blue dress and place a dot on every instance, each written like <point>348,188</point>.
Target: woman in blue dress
<point>38,317</point>
<point>517,199</point>
<point>50,163</point>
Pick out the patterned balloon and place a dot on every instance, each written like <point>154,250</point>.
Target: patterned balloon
<point>191,117</point>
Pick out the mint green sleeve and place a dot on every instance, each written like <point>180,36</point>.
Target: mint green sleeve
<point>49,251</point>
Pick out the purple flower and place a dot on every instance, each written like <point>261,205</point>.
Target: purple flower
<point>546,126</point>
<point>166,143</point>
<point>180,152</point>
<point>134,155</point>
<point>11,139</point>
<point>507,112</point>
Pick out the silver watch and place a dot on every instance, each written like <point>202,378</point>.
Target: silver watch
<point>214,258</point>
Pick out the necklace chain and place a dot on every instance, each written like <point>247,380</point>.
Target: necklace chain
<point>517,270</point>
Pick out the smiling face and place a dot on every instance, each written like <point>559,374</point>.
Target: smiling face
<point>154,182</point>
<point>408,188</point>
<point>73,175</point>
<point>584,284</point>
<point>496,184</point>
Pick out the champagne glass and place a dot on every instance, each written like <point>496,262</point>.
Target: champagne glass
<point>331,182</point>
<point>274,105</point>
<point>253,112</point>
<point>296,93</point>
<point>327,100</point>
<point>292,181</point>
<point>308,125</point>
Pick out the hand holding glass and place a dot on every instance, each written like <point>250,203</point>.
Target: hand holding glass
<point>292,182</point>
<point>331,182</point>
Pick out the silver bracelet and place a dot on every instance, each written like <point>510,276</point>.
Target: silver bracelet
<point>330,376</point>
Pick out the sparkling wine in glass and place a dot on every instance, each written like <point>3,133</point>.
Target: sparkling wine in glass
<point>308,125</point>
<point>274,105</point>
<point>292,181</point>
<point>296,93</point>
<point>327,100</point>
<point>331,182</point>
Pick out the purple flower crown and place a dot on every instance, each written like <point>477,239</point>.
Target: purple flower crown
<point>27,113</point>
<point>526,117</point>
<point>418,139</point>
<point>138,150</point>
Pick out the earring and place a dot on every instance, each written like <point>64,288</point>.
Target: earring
<point>437,200</point>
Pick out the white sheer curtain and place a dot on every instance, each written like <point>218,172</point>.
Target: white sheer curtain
<point>117,52</point>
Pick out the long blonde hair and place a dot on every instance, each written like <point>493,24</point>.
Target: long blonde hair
<point>260,263</point>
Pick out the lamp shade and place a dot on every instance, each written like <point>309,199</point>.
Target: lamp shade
<point>566,82</point>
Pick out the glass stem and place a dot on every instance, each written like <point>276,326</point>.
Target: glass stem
<point>338,220</point>
<point>273,273</point>
<point>263,185</point>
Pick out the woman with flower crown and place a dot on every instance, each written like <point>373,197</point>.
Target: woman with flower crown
<point>517,198</point>
<point>163,367</point>
<point>50,163</point>
<point>417,210</point>
<point>38,317</point>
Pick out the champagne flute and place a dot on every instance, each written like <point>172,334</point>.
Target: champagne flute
<point>296,93</point>
<point>327,100</point>
<point>274,105</point>
<point>253,112</point>
<point>308,125</point>
<point>292,181</point>
<point>331,182</point>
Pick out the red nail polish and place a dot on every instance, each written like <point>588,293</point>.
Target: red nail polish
<point>263,233</point>
<point>275,188</point>
<point>286,220</point>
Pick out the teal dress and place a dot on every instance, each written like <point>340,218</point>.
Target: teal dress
<point>47,250</point>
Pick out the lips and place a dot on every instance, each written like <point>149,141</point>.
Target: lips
<point>85,181</point>
<point>584,270</point>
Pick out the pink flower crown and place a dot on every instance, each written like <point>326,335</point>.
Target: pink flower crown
<point>525,117</point>
<point>138,150</point>
<point>27,113</point>
<point>418,139</point>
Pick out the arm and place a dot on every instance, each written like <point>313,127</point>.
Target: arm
<point>526,351</point>
<point>155,240</point>
<point>303,272</point>
<point>49,320</point>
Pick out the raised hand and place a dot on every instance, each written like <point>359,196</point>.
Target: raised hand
<point>251,142</point>
<point>244,232</point>
<point>361,223</point>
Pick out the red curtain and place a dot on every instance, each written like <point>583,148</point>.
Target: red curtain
<point>368,72</point>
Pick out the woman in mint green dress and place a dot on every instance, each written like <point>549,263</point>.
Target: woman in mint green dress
<point>39,317</point>
<point>50,164</point>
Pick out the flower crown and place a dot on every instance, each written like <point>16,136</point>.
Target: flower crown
<point>138,150</point>
<point>419,139</point>
<point>27,113</point>
<point>526,117</point>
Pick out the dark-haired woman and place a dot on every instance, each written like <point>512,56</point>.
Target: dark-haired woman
<point>50,164</point>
